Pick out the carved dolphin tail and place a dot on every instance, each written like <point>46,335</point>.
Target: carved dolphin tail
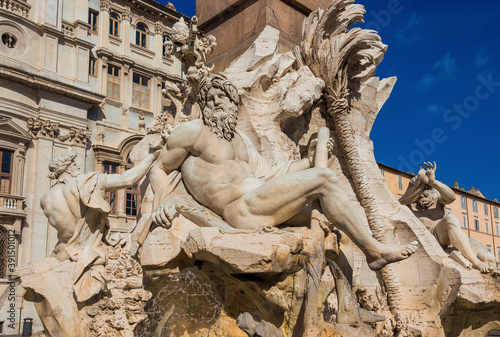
<point>344,58</point>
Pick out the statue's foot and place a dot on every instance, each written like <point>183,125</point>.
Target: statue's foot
<point>389,254</point>
<point>460,259</point>
<point>483,267</point>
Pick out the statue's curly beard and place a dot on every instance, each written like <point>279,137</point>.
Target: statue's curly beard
<point>221,121</point>
<point>427,199</point>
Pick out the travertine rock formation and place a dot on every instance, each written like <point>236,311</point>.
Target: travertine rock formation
<point>118,311</point>
<point>223,253</point>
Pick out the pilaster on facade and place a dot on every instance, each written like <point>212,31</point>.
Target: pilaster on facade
<point>104,24</point>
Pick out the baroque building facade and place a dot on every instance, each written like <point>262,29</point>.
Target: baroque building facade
<point>81,76</point>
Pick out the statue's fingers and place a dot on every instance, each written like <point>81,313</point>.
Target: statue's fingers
<point>164,218</point>
<point>435,165</point>
<point>154,217</point>
<point>426,165</point>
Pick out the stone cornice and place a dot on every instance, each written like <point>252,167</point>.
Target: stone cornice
<point>156,9</point>
<point>40,82</point>
<point>66,38</point>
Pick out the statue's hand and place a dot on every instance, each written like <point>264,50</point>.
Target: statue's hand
<point>163,139</point>
<point>311,153</point>
<point>164,215</point>
<point>430,172</point>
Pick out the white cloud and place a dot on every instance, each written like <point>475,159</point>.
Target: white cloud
<point>444,69</point>
<point>402,34</point>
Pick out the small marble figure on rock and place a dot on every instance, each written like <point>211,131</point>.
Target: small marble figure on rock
<point>427,198</point>
<point>76,206</point>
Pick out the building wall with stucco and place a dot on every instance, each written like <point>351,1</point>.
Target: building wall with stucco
<point>55,58</point>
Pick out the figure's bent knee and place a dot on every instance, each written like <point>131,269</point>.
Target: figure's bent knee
<point>451,220</point>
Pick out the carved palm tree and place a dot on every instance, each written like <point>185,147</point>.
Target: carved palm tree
<point>344,58</point>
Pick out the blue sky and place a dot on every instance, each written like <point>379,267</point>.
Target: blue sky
<point>445,105</point>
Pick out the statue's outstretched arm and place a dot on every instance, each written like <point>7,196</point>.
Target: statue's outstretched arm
<point>132,176</point>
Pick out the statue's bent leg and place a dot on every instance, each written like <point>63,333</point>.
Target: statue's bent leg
<point>282,197</point>
<point>448,231</point>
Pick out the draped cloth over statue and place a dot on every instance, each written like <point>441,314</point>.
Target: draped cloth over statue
<point>174,194</point>
<point>88,245</point>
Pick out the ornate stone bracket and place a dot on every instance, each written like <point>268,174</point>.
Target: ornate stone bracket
<point>105,5</point>
<point>42,128</point>
<point>76,135</point>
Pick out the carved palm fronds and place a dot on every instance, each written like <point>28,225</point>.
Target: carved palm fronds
<point>344,58</point>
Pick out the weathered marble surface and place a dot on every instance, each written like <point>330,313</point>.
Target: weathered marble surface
<point>205,267</point>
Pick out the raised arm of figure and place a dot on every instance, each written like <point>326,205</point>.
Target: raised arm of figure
<point>447,196</point>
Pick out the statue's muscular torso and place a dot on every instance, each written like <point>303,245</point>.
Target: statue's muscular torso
<point>216,172</point>
<point>61,205</point>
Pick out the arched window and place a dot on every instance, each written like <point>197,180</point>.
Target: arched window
<point>114,25</point>
<point>4,240</point>
<point>132,195</point>
<point>141,35</point>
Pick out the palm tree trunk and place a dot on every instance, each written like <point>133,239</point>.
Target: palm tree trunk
<point>337,105</point>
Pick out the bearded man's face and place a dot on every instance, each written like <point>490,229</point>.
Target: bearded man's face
<point>220,114</point>
<point>73,170</point>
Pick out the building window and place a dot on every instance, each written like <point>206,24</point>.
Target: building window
<point>93,22</point>
<point>132,196</point>
<point>140,92</point>
<point>463,200</point>
<point>464,220</point>
<point>164,50</point>
<point>6,171</point>
<point>113,82</point>
<point>114,25</point>
<point>485,209</point>
<point>498,254</point>
<point>400,182</point>
<point>474,205</point>
<point>9,40</point>
<point>93,67</point>
<point>487,226</point>
<point>382,172</point>
<point>141,35</point>
<point>489,248</point>
<point>497,229</point>
<point>4,238</point>
<point>495,212</point>
<point>476,224</point>
<point>111,196</point>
